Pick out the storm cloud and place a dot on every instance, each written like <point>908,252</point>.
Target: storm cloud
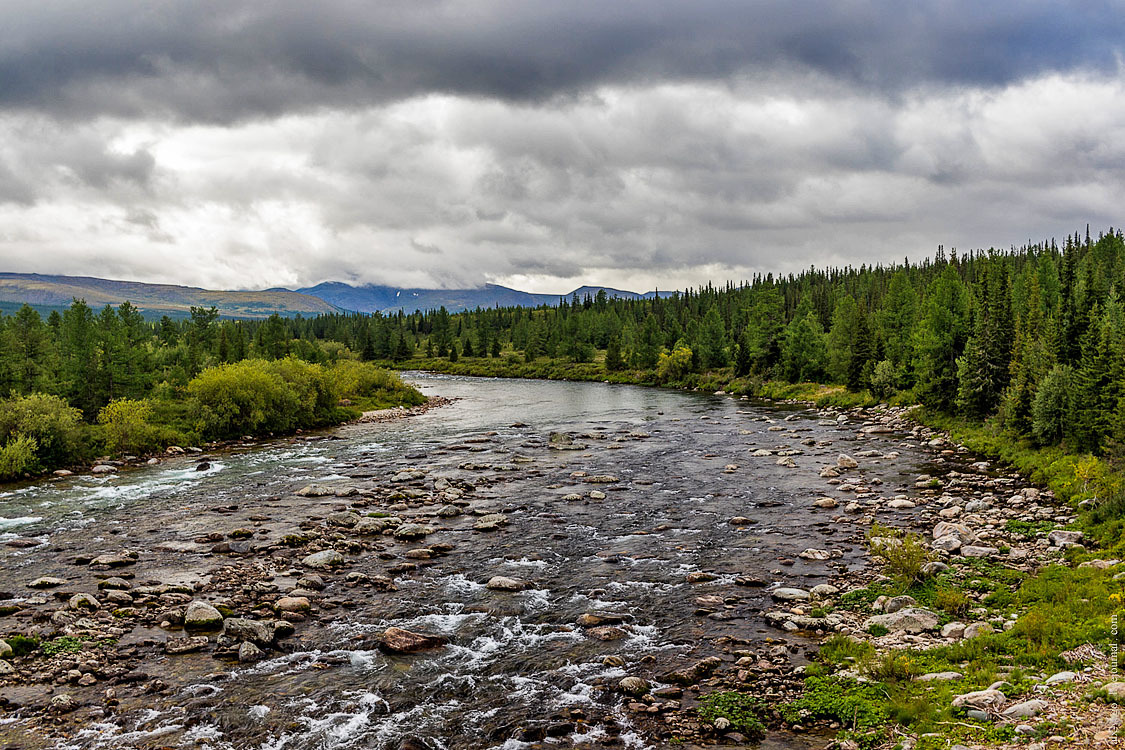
<point>546,144</point>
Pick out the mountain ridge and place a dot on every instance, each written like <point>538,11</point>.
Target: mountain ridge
<point>54,291</point>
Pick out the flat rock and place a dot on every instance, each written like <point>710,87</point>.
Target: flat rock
<point>504,583</point>
<point>292,604</point>
<point>977,629</point>
<point>907,620</point>
<point>185,645</point>
<point>1025,710</point>
<point>490,522</point>
<point>1059,678</point>
<point>940,677</point>
<point>328,558</point>
<point>815,554</point>
<point>974,551</point>
<point>46,582</point>
<point>790,595</point>
<point>400,641</point>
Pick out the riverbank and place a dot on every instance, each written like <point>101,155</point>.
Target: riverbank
<point>1025,560</point>
<point>643,580</point>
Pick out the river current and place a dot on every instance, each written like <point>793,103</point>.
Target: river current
<point>650,543</point>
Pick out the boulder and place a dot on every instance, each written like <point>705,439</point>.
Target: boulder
<point>955,630</point>
<point>940,677</point>
<point>899,602</point>
<point>825,502</point>
<point>1025,710</point>
<point>790,595</point>
<point>1059,678</point>
<point>824,590</point>
<point>815,554</point>
<point>982,700</point>
<point>46,582</point>
<point>412,531</point>
<point>1115,690</point>
<point>900,504</point>
<point>973,551</point>
<point>1062,538</point>
<point>248,652</point>
<point>846,462</point>
<point>503,583</point>
<point>5,650</point>
<point>908,620</point>
<point>202,616</point>
<point>491,522</point>
<point>977,629</point>
<point>83,601</point>
<point>950,528</point>
<point>400,641</point>
<point>947,543</point>
<point>292,604</point>
<point>185,645</point>
<point>328,558</point>
<point>346,519</point>
<point>634,686</point>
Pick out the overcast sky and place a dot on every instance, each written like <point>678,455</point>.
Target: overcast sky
<point>546,144</point>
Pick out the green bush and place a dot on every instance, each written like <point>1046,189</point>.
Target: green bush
<point>55,426</point>
<point>17,457</point>
<point>856,705</point>
<point>128,426</point>
<point>257,396</point>
<point>673,367</point>
<point>904,553</point>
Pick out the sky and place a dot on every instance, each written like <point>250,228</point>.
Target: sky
<point>546,144</point>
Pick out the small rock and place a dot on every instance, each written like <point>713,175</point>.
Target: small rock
<point>503,583</point>
<point>1059,678</point>
<point>248,652</point>
<point>400,641</point>
<point>292,604</point>
<point>846,462</point>
<point>982,700</point>
<point>899,602</point>
<point>46,582</point>
<point>185,645</point>
<point>974,551</point>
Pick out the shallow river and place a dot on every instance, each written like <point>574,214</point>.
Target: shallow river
<point>683,469</point>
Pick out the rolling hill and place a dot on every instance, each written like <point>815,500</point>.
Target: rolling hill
<point>53,292</point>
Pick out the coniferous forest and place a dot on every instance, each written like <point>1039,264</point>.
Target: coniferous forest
<point>1031,340</point>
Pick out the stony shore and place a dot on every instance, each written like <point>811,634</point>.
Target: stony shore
<point>110,630</point>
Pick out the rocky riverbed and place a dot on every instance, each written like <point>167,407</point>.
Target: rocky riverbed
<point>537,564</point>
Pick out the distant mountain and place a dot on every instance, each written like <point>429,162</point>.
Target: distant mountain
<point>46,291</point>
<point>371,298</point>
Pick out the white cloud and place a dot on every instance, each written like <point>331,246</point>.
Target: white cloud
<point>627,185</point>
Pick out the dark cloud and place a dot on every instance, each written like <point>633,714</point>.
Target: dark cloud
<point>224,60</point>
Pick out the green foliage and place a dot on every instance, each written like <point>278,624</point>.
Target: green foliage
<point>47,420</point>
<point>22,645</point>
<point>1051,407</point>
<point>856,705</point>
<point>128,428</point>
<point>740,709</point>
<point>63,645</point>
<point>674,366</point>
<point>17,457</point>
<point>904,553</point>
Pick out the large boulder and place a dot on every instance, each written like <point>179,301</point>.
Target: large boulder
<point>202,616</point>
<point>951,528</point>
<point>1063,538</point>
<point>982,700</point>
<point>908,620</point>
<point>1026,709</point>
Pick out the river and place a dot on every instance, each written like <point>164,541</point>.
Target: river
<point>648,546</point>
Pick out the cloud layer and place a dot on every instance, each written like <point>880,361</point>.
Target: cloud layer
<point>546,144</point>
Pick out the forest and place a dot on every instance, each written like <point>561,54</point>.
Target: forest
<point>1030,340</point>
